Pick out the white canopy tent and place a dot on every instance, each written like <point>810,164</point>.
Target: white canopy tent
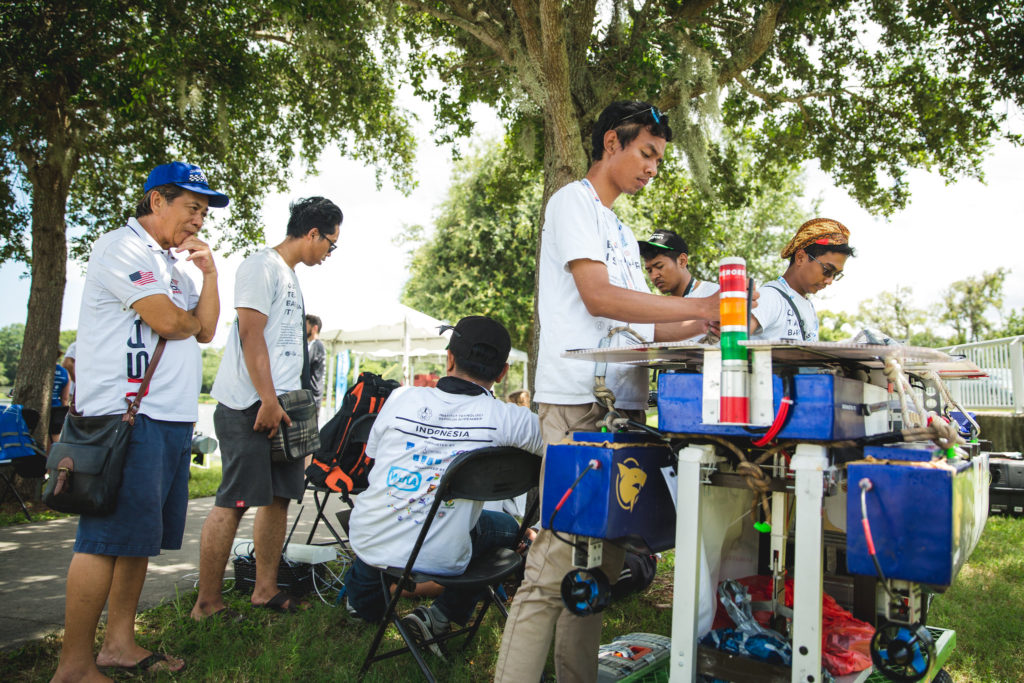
<point>390,331</point>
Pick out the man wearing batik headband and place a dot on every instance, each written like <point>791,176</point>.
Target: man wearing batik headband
<point>817,255</point>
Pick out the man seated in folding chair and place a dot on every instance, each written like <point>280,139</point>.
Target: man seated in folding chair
<point>417,434</point>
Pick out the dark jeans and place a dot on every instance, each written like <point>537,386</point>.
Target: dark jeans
<point>367,598</point>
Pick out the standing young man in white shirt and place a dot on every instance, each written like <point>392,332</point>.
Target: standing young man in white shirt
<point>591,281</point>
<point>263,358</point>
<point>414,438</point>
<point>136,291</point>
<point>817,255</point>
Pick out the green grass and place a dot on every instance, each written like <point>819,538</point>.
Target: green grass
<point>11,513</point>
<point>985,605</point>
<point>324,643</point>
<point>203,483</point>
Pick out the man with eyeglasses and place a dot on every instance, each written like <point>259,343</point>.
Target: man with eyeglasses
<point>264,358</point>
<point>817,255</point>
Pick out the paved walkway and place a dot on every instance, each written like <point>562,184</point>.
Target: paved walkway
<point>34,560</point>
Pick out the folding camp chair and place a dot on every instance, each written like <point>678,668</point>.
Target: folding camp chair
<point>492,473</point>
<point>16,443</point>
<point>359,433</point>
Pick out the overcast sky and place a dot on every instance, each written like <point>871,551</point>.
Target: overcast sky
<point>946,233</point>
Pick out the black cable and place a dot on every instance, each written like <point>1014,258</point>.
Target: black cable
<point>647,428</point>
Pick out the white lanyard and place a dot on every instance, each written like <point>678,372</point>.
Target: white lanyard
<point>623,262</point>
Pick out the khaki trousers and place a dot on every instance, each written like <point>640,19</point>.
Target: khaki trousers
<point>537,609</point>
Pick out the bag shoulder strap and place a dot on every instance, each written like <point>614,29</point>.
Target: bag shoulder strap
<point>133,407</point>
<point>306,379</point>
<point>792,305</point>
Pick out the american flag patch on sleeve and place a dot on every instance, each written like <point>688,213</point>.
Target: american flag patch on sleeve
<point>142,277</point>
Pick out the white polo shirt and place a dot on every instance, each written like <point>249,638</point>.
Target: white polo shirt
<point>264,283</point>
<point>114,344</point>
<point>416,435</point>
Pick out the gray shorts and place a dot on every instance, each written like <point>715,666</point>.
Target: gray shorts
<point>249,478</point>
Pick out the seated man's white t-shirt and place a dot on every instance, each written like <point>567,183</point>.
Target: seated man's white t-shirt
<point>414,438</point>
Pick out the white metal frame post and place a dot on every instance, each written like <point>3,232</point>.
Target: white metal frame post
<point>809,464</point>
<point>686,592</point>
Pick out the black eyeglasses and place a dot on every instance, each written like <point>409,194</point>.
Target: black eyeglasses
<point>333,243</point>
<point>828,270</point>
<point>654,114</point>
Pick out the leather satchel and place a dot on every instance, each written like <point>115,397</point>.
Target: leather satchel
<point>303,437</point>
<point>86,465</point>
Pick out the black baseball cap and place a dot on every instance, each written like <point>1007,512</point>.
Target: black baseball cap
<point>479,339</point>
<point>662,241</point>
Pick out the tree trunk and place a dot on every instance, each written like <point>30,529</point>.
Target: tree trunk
<point>565,160</point>
<point>33,386</point>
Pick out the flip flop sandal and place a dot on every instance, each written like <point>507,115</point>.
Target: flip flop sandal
<point>145,665</point>
<point>278,602</point>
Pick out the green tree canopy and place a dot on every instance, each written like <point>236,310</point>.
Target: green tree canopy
<point>10,348</point>
<point>94,94</point>
<point>870,88</point>
<point>479,258</point>
<point>970,308</point>
<point>968,305</point>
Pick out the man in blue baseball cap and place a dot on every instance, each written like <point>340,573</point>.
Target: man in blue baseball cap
<point>137,291</point>
<point>186,176</point>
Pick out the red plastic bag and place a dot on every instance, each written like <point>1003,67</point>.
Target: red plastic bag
<point>846,640</point>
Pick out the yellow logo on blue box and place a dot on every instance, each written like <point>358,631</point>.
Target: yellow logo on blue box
<point>628,483</point>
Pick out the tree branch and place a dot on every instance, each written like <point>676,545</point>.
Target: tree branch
<point>458,20</point>
<point>284,40</point>
<point>529,23</point>
<point>758,41</point>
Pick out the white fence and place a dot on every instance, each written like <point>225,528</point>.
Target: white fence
<point>1003,389</point>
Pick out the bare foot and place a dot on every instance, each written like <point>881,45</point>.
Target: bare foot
<point>89,674</point>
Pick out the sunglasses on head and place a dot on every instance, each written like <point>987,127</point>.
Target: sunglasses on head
<point>654,114</point>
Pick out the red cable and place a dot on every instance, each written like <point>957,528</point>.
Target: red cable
<point>780,419</point>
<point>867,536</point>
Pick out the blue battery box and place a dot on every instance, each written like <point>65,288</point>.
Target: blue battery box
<point>925,517</point>
<point>626,499</point>
<point>825,408</point>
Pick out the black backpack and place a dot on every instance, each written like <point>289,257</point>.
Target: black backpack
<point>341,464</point>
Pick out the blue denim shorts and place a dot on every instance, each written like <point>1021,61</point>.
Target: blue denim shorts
<point>153,500</point>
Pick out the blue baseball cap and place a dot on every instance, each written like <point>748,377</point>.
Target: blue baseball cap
<point>187,176</point>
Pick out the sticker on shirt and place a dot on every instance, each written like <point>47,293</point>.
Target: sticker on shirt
<point>141,278</point>
<point>403,479</point>
<point>175,286</point>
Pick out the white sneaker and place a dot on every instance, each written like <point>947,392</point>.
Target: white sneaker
<point>423,627</point>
